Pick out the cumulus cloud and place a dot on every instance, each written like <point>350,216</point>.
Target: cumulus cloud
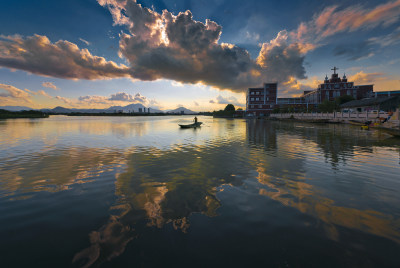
<point>63,59</point>
<point>93,99</point>
<point>227,100</point>
<point>50,85</point>
<point>177,47</point>
<point>118,98</point>
<point>185,50</point>
<point>11,93</point>
<point>121,96</point>
<point>295,88</point>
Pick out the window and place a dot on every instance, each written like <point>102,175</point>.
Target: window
<point>267,92</point>
<point>348,92</point>
<point>268,98</point>
<point>257,99</point>
<point>252,106</point>
<point>252,99</point>
<point>260,106</point>
<point>252,93</point>
<point>257,93</point>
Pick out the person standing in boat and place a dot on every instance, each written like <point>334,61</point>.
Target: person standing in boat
<point>195,120</point>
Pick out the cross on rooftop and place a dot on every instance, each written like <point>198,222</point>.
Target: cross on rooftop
<point>334,70</point>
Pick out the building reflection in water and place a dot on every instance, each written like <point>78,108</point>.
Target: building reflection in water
<point>340,176</point>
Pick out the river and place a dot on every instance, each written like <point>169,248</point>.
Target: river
<point>140,191</point>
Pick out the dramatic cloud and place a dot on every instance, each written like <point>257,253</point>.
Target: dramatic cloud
<point>63,59</point>
<point>381,81</point>
<point>364,49</point>
<point>366,78</point>
<point>295,88</point>
<point>177,47</point>
<point>388,40</point>
<point>10,93</point>
<point>332,20</point>
<point>355,51</point>
<point>185,50</point>
<point>50,85</point>
<point>211,101</point>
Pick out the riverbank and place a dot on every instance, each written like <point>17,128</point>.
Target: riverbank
<point>383,121</point>
<point>4,114</point>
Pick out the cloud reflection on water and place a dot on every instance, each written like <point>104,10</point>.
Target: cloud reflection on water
<point>164,175</point>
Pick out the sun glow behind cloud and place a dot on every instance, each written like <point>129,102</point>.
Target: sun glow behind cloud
<point>176,47</point>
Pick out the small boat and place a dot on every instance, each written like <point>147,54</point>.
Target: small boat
<point>194,125</point>
<point>358,123</point>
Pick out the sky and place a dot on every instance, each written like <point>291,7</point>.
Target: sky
<point>198,54</point>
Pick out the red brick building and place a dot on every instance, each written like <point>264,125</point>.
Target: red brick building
<point>336,87</point>
<point>261,101</point>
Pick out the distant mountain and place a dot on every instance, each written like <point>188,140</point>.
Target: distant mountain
<point>16,108</point>
<point>180,110</point>
<point>131,108</point>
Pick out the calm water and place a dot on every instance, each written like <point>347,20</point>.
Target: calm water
<point>140,192</point>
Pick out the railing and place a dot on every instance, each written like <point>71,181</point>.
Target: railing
<point>335,115</point>
<point>374,117</point>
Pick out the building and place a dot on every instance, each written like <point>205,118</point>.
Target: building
<point>337,87</point>
<point>293,104</point>
<point>383,103</point>
<point>380,94</point>
<point>261,101</point>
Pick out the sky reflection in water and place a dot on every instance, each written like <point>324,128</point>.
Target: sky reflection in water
<point>119,191</point>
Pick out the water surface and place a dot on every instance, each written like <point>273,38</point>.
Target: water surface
<point>139,191</point>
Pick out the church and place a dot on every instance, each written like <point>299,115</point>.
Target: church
<point>337,87</point>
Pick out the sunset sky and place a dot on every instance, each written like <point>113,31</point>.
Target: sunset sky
<point>198,54</point>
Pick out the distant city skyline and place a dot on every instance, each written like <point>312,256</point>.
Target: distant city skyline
<point>198,54</point>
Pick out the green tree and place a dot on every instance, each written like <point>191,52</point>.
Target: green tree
<point>343,99</point>
<point>229,108</point>
<point>328,106</point>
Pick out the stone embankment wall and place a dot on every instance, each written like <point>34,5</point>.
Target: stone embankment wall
<point>342,117</point>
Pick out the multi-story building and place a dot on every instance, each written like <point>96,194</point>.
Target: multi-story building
<point>337,87</point>
<point>261,101</point>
